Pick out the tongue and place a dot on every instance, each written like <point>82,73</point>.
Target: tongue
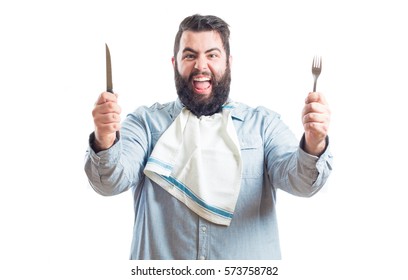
<point>201,85</point>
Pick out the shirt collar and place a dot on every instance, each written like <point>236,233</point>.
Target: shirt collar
<point>176,109</point>
<point>237,112</point>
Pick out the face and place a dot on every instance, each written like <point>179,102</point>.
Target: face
<point>202,72</point>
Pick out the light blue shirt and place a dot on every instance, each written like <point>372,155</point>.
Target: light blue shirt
<point>165,228</point>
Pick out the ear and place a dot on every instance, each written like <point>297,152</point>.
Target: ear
<point>230,60</point>
<point>173,61</point>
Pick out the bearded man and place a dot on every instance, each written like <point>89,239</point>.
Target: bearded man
<point>204,170</point>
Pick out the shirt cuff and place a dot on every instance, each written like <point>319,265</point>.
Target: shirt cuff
<point>105,157</point>
<point>303,142</point>
<point>321,166</point>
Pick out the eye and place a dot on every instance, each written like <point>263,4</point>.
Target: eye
<point>189,56</point>
<point>213,55</point>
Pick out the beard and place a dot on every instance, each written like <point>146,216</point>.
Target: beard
<point>207,105</point>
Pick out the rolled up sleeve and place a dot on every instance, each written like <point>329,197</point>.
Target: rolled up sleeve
<point>289,167</point>
<point>311,172</point>
<point>105,172</point>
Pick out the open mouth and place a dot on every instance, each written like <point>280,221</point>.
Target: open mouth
<point>202,84</point>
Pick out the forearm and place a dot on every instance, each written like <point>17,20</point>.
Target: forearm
<point>290,167</point>
<point>306,174</point>
<point>121,166</point>
<point>114,170</point>
<point>104,171</point>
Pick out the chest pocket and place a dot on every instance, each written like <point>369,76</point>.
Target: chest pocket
<point>252,156</point>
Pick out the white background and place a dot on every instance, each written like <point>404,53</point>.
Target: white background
<point>52,69</point>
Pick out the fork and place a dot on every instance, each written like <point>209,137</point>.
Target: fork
<point>316,69</point>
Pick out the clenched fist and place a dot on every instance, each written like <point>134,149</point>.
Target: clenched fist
<point>106,115</point>
<point>316,120</point>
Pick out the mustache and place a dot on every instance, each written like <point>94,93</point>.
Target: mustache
<point>203,73</point>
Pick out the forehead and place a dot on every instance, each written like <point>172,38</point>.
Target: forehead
<point>201,41</point>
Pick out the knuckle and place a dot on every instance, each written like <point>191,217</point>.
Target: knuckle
<point>102,98</point>
<point>310,117</point>
<point>110,105</point>
<point>309,107</point>
<point>105,95</point>
<point>115,117</point>
<point>313,106</point>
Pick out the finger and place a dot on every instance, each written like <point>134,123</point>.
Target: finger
<point>107,118</point>
<point>106,108</point>
<point>318,130</point>
<point>315,107</point>
<point>315,117</point>
<point>105,97</point>
<point>316,97</point>
<point>107,123</point>
<point>110,107</point>
<point>106,129</point>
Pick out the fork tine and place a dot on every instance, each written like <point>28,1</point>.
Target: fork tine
<point>316,69</point>
<point>317,61</point>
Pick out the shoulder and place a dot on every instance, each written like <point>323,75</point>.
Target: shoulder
<point>156,117</point>
<point>246,113</point>
<point>154,107</point>
<point>157,109</point>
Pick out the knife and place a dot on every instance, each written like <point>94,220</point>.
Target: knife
<point>109,86</point>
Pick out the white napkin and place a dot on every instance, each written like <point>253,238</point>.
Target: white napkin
<point>198,161</point>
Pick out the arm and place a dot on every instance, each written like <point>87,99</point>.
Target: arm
<point>114,159</point>
<point>290,167</point>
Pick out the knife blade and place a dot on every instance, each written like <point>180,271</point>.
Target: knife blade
<point>109,85</point>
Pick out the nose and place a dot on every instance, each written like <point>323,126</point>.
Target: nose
<point>201,64</point>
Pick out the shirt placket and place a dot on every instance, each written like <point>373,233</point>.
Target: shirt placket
<point>203,239</point>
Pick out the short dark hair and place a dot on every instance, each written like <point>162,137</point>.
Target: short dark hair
<point>199,23</point>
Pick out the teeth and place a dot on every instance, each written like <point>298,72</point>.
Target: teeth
<point>201,79</point>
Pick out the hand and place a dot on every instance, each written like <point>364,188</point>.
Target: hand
<point>106,115</point>
<point>316,120</point>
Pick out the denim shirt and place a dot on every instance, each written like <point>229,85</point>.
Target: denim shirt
<point>164,228</point>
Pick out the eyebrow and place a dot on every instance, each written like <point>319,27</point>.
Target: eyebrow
<point>187,49</point>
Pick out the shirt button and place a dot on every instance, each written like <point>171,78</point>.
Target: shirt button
<point>202,258</point>
<point>204,228</point>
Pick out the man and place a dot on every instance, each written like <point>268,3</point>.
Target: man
<point>204,170</point>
